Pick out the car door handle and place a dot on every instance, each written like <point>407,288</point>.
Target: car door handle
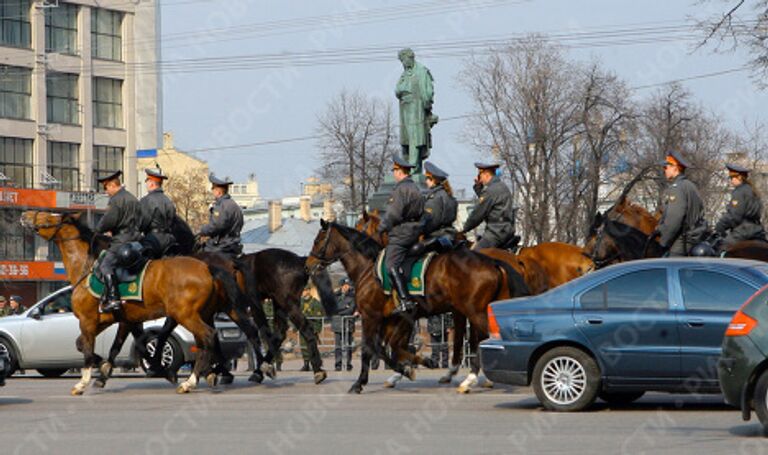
<point>594,320</point>
<point>695,322</point>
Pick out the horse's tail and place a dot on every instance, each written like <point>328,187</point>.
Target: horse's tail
<point>515,282</point>
<point>322,281</point>
<point>235,297</point>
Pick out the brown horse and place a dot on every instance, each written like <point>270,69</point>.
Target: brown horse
<point>460,281</point>
<point>181,288</point>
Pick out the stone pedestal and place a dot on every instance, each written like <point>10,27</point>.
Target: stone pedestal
<point>379,199</point>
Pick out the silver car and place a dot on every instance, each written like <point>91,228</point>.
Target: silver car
<point>43,338</point>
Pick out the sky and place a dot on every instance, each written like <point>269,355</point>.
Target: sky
<point>212,108</point>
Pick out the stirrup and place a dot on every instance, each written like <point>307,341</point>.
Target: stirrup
<point>111,306</point>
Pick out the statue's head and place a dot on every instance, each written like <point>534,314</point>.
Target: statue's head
<point>407,57</point>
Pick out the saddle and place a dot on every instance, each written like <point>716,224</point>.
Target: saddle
<point>511,244</point>
<point>130,272</point>
<point>414,268</point>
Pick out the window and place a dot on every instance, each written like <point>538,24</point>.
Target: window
<point>16,243</point>
<point>15,27</point>
<point>712,291</point>
<point>106,36</point>
<point>63,164</point>
<point>15,92</point>
<point>61,29</point>
<point>16,161</point>
<point>645,289</point>
<point>107,102</point>
<point>63,98</point>
<point>106,160</point>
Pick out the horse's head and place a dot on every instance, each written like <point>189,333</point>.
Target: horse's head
<point>324,249</point>
<point>369,223</point>
<point>48,224</point>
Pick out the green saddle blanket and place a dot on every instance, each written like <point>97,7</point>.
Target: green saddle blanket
<point>129,290</point>
<point>416,278</point>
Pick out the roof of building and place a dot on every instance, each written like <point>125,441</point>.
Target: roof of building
<point>294,235</point>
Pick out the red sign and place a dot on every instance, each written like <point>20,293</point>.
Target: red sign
<point>32,271</point>
<point>27,198</point>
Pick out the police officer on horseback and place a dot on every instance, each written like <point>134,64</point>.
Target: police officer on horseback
<point>157,215</point>
<point>402,220</point>
<point>121,222</point>
<point>440,209</point>
<point>494,207</point>
<point>682,224</point>
<point>225,221</point>
<point>741,221</point>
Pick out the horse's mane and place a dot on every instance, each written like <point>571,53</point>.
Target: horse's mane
<point>96,242</point>
<point>360,241</point>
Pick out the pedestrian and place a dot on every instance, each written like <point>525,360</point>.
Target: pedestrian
<point>494,207</point>
<point>4,309</point>
<point>438,327</point>
<point>741,221</point>
<point>313,311</point>
<point>343,323</point>
<point>16,307</point>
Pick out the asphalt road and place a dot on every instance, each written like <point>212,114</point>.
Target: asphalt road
<point>292,415</point>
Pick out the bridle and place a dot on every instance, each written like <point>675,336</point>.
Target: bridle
<point>321,255</point>
<point>36,227</point>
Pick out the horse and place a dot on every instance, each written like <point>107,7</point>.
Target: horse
<point>185,289</point>
<point>460,281</point>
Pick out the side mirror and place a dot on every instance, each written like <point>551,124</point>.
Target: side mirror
<point>34,313</point>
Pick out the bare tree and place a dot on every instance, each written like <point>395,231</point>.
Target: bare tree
<point>357,140</point>
<point>190,197</point>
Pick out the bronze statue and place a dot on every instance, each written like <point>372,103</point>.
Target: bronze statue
<point>416,94</point>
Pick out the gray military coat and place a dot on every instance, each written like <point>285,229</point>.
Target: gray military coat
<point>742,217</point>
<point>494,206</point>
<point>682,224</point>
<point>157,214</point>
<point>121,219</point>
<point>345,306</point>
<point>225,222</point>
<point>403,215</point>
<point>439,213</point>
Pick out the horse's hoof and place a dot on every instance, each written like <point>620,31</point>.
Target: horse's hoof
<point>462,389</point>
<point>99,383</point>
<point>76,392</point>
<point>105,369</point>
<point>429,363</point>
<point>182,389</point>
<point>488,384</point>
<point>256,377</point>
<point>409,372</point>
<point>356,388</point>
<point>320,376</point>
<point>226,379</point>
<point>445,380</point>
<point>211,379</point>
<point>269,370</point>
<point>389,385</point>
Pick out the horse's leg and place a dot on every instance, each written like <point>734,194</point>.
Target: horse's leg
<point>367,349</point>
<point>85,343</point>
<point>306,331</point>
<point>459,329</point>
<point>474,362</point>
<point>263,364</point>
<point>105,367</point>
<point>205,337</point>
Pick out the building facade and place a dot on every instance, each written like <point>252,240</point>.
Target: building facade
<point>79,95</point>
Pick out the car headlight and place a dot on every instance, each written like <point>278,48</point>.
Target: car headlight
<point>230,333</point>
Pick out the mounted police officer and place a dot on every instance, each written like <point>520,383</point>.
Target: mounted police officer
<point>157,214</point>
<point>121,221</point>
<point>494,206</point>
<point>741,221</point>
<point>402,221</point>
<point>440,209</point>
<point>224,222</point>
<point>682,224</point>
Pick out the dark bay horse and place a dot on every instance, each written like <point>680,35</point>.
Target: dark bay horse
<point>182,288</point>
<point>460,281</point>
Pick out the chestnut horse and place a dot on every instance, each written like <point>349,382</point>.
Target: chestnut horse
<point>182,288</point>
<point>460,281</point>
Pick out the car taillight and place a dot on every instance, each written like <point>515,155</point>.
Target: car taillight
<point>740,325</point>
<point>493,326</point>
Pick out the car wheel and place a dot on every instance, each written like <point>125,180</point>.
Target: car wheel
<point>172,356</point>
<point>619,398</point>
<point>566,379</point>
<point>52,372</point>
<point>760,399</point>
<point>6,347</point>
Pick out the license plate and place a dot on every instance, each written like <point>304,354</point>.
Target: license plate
<point>230,333</point>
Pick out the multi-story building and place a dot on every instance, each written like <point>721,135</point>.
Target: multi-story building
<point>79,95</point>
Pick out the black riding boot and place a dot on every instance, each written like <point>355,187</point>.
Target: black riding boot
<point>407,304</point>
<point>113,303</point>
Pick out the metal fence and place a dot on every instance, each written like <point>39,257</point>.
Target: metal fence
<point>421,340</point>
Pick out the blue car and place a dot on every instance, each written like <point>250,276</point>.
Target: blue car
<point>649,325</point>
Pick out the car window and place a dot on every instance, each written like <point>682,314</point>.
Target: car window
<point>644,289</point>
<point>61,304</point>
<point>714,291</point>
